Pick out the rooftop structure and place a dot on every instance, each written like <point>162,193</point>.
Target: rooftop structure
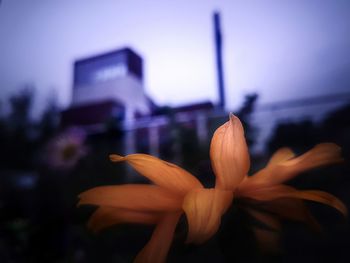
<point>114,80</point>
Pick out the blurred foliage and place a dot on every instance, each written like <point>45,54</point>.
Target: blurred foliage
<point>17,132</point>
<point>301,136</point>
<point>49,122</point>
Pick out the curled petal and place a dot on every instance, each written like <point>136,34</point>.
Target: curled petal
<point>134,197</point>
<point>229,154</point>
<point>204,208</point>
<point>105,217</point>
<point>322,154</point>
<point>164,174</point>
<point>157,248</point>
<point>324,198</point>
<point>279,170</point>
<point>284,191</point>
<point>280,156</point>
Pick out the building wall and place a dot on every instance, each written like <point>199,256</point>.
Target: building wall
<point>127,90</point>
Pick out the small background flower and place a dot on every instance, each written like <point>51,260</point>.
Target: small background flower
<point>66,149</point>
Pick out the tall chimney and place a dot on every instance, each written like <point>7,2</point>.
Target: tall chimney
<point>219,66</point>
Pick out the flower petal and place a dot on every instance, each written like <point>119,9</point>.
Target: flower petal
<point>284,191</point>
<point>204,208</point>
<point>135,197</point>
<point>324,198</point>
<point>280,156</point>
<point>164,174</point>
<point>105,216</point>
<point>267,237</point>
<point>279,171</point>
<point>292,209</point>
<point>267,219</point>
<point>229,154</point>
<point>157,248</point>
<point>320,155</point>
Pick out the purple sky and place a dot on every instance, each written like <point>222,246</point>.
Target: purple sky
<point>280,49</point>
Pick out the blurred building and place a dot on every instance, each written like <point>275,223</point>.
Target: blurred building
<point>109,88</point>
<point>107,85</point>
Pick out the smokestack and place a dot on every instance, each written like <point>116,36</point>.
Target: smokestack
<point>219,66</point>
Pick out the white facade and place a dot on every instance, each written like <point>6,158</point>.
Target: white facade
<point>127,90</point>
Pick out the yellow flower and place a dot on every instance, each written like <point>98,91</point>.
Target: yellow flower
<point>175,191</point>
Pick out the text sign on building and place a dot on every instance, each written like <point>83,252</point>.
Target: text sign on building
<point>107,67</point>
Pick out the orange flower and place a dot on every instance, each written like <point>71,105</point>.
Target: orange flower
<point>276,201</point>
<point>175,191</point>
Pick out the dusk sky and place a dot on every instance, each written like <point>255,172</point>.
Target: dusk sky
<point>280,49</point>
